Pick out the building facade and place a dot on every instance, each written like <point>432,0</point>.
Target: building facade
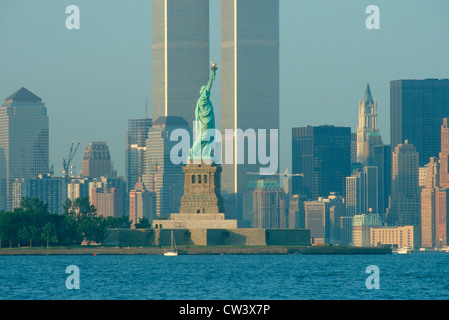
<point>142,204</point>
<point>428,202</point>
<point>180,54</point>
<point>417,109</point>
<point>97,161</point>
<point>136,138</point>
<point>24,141</point>
<point>249,86</point>
<point>323,218</point>
<point>367,130</point>
<point>361,228</point>
<point>382,160</point>
<point>395,237</point>
<point>108,201</point>
<point>48,189</point>
<point>269,205</point>
<point>323,155</point>
<point>405,203</point>
<point>162,175</point>
<point>362,191</point>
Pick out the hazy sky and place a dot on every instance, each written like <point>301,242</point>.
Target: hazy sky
<point>94,79</point>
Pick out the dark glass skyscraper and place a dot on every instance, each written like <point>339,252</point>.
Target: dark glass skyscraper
<point>417,110</point>
<point>323,155</point>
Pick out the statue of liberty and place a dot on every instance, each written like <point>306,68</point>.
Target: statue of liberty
<point>204,124</point>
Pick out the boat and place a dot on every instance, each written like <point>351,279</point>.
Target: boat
<point>404,250</point>
<point>173,251</point>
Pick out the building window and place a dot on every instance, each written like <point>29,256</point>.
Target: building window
<point>193,179</point>
<point>199,178</point>
<point>205,178</point>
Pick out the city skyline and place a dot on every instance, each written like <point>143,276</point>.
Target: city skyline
<point>94,84</point>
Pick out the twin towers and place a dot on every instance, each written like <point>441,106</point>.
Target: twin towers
<point>248,69</point>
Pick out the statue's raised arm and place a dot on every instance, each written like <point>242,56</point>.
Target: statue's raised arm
<point>204,122</point>
<point>212,76</point>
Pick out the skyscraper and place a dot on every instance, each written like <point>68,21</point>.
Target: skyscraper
<point>162,175</point>
<point>249,82</point>
<point>24,141</point>
<point>136,138</point>
<point>367,130</point>
<point>97,161</point>
<point>405,203</point>
<point>428,202</point>
<point>323,155</point>
<point>442,195</point>
<point>382,160</point>
<point>362,191</point>
<point>417,110</point>
<point>180,56</point>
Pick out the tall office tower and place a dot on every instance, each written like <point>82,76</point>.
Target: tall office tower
<point>355,201</point>
<point>48,189</point>
<point>180,56</point>
<point>417,109</point>
<point>444,154</point>
<point>249,86</point>
<point>162,175</point>
<point>323,155</point>
<point>97,161</point>
<point>382,160</point>
<point>405,203</point>
<point>24,146</point>
<point>142,204</point>
<point>442,195</point>
<point>367,130</point>
<point>362,191</point>
<point>269,205</point>
<point>136,138</point>
<point>441,217</point>
<point>428,202</point>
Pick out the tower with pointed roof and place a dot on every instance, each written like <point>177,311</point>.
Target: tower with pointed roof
<point>24,141</point>
<point>368,134</point>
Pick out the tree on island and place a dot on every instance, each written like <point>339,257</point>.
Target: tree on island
<point>143,223</point>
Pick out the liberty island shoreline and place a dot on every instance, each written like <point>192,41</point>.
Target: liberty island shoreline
<point>197,250</point>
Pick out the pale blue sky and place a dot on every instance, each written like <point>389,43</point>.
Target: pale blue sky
<point>94,79</point>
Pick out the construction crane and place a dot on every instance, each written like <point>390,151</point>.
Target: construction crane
<point>66,162</point>
<point>285,174</point>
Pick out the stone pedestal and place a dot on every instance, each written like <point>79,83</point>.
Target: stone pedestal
<point>202,189</point>
<point>202,203</point>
